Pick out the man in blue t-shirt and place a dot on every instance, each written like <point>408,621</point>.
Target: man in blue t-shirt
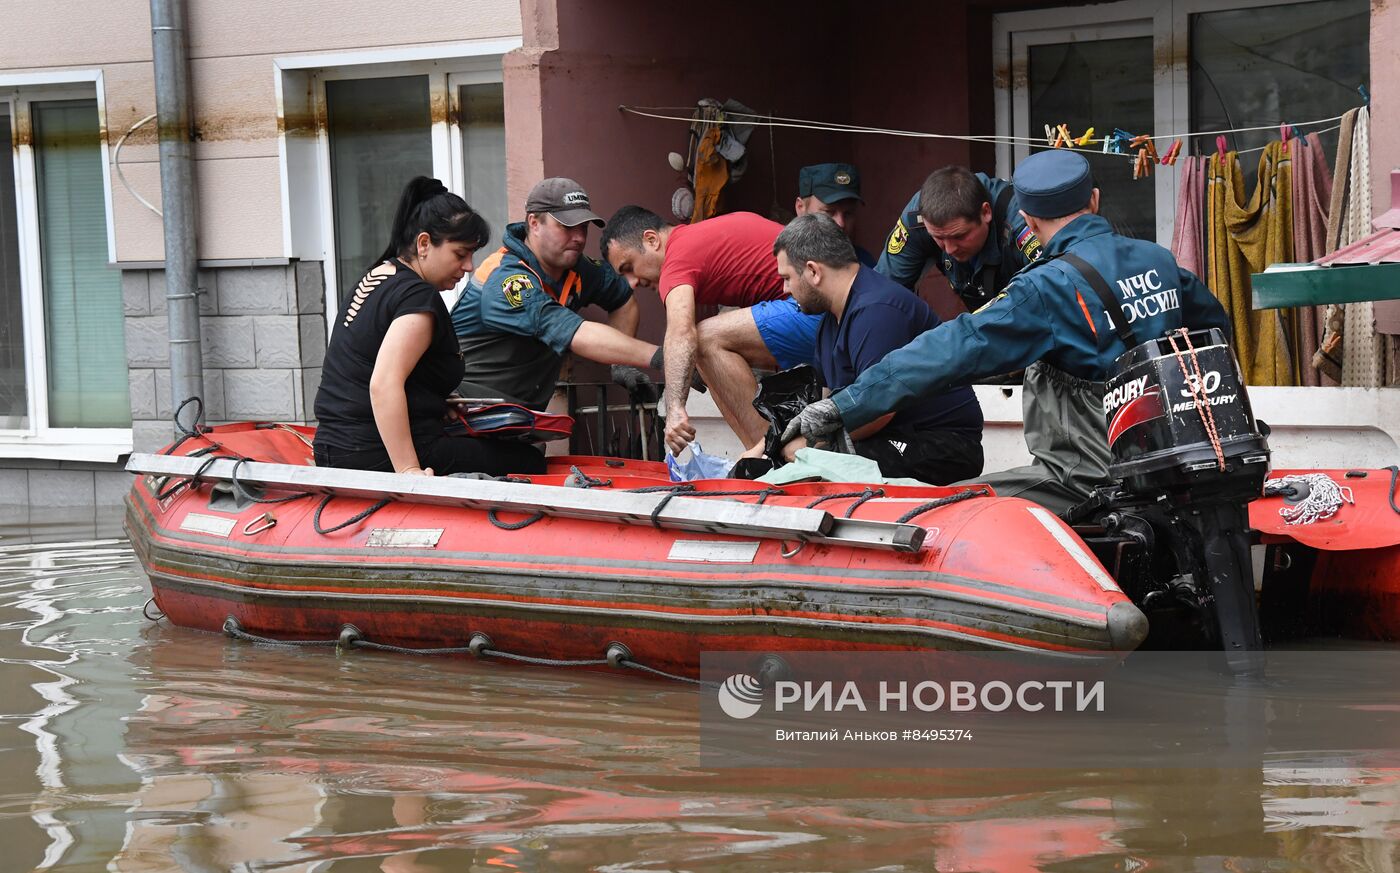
<point>935,439</point>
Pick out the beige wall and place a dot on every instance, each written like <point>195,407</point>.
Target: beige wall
<point>232,47</point>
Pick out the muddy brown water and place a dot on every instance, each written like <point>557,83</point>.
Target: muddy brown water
<point>131,745</point>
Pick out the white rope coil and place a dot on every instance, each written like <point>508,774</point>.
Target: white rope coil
<point>1322,499</point>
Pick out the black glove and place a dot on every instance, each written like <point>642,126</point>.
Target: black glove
<point>639,387</point>
<point>658,363</point>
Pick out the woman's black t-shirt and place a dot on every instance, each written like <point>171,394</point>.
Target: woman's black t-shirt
<point>342,403</point>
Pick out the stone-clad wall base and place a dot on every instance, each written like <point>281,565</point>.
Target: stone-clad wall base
<point>262,335</point>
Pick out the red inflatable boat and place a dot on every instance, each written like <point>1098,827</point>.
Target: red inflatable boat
<point>601,552</point>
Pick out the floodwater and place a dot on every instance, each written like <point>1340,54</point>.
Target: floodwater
<point>131,745</point>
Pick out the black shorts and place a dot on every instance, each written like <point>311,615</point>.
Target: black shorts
<point>938,457</point>
<point>445,455</point>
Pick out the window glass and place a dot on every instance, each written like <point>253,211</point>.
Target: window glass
<point>380,137</point>
<point>84,340</point>
<point>1260,66</point>
<point>1103,84</point>
<point>14,395</point>
<point>483,124</point>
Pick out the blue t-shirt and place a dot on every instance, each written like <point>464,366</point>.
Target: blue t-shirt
<point>881,316</point>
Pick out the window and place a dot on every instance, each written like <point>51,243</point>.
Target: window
<point>64,391</point>
<point>356,132</point>
<point>1256,63</point>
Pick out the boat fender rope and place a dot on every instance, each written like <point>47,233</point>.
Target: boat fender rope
<point>1320,499</point>
<point>358,517</point>
<point>193,479</point>
<point>942,501</point>
<point>514,525</point>
<point>235,630</point>
<point>146,611</point>
<point>634,665</point>
<point>1394,475</point>
<point>186,433</point>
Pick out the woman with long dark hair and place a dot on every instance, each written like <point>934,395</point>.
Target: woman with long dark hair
<point>393,359</point>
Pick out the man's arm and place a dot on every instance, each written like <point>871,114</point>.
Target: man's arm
<point>1200,309</point>
<point>1008,334</point>
<point>626,318</point>
<point>908,248</point>
<point>680,346</point>
<point>607,344</point>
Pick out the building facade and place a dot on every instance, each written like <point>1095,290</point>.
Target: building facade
<point>309,118</point>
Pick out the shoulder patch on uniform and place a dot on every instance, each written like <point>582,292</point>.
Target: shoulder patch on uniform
<point>1028,243</point>
<point>514,287</point>
<point>898,237</point>
<point>1001,295</point>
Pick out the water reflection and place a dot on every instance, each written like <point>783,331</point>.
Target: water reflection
<point>133,746</point>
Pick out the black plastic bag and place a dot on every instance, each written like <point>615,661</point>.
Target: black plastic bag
<point>780,398</point>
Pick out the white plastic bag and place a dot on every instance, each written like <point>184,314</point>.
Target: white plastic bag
<point>693,463</point>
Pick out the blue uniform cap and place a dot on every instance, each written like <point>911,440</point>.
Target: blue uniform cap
<point>830,183</point>
<point>1053,183</point>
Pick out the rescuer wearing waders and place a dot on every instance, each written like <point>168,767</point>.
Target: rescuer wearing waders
<point>967,226</point>
<point>1090,297</point>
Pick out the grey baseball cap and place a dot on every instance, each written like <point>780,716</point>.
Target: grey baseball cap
<point>563,198</point>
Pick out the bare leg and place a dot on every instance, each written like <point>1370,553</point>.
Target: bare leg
<point>729,347</point>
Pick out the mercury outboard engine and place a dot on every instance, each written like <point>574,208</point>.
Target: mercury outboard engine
<point>1188,458</point>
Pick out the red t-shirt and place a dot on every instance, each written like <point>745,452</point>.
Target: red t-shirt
<point>727,259</point>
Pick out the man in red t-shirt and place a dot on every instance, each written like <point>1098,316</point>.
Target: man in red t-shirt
<point>727,260</point>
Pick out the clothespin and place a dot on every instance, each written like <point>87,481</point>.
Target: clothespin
<point>1170,157</point>
<point>1062,136</point>
<point>1284,134</point>
<point>1085,139</point>
<point>1220,146</point>
<point>1051,135</point>
<point>1365,95</point>
<point>1298,135</point>
<point>1115,143</point>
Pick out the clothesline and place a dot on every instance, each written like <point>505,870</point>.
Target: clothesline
<point>661,112</point>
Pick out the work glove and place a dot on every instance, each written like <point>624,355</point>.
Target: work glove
<point>815,420</point>
<point>639,387</point>
<point>658,363</point>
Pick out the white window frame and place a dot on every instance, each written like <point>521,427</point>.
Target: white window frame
<point>38,440</point>
<point>1170,28</point>
<point>305,163</point>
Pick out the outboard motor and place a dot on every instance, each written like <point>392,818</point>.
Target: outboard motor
<point>1189,456</point>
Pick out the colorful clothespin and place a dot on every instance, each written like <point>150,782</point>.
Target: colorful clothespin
<point>1051,135</point>
<point>1285,133</point>
<point>1298,135</point>
<point>1116,143</point>
<point>1086,138</point>
<point>1220,145</point>
<point>1365,95</point>
<point>1170,157</point>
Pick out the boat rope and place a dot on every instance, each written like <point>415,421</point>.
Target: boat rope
<point>513,525</point>
<point>867,494</point>
<point>762,493</point>
<point>1318,497</point>
<point>360,516</point>
<point>579,479</point>
<point>479,645</point>
<point>186,433</point>
<point>1394,475</point>
<point>942,501</point>
<point>243,493</point>
<point>1195,383</point>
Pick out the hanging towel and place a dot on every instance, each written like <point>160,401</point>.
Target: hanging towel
<point>1245,238</point>
<point>1367,357</point>
<point>1312,196</point>
<point>1190,211</point>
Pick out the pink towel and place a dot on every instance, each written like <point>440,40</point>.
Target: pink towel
<point>1190,216</point>
<point>1312,197</point>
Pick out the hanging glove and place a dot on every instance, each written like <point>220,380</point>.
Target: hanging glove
<point>816,420</point>
<point>658,363</point>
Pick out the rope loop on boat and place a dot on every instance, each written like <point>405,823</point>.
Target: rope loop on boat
<point>942,501</point>
<point>244,494</point>
<point>513,525</point>
<point>358,517</point>
<point>863,496</point>
<point>1394,475</point>
<point>579,479</point>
